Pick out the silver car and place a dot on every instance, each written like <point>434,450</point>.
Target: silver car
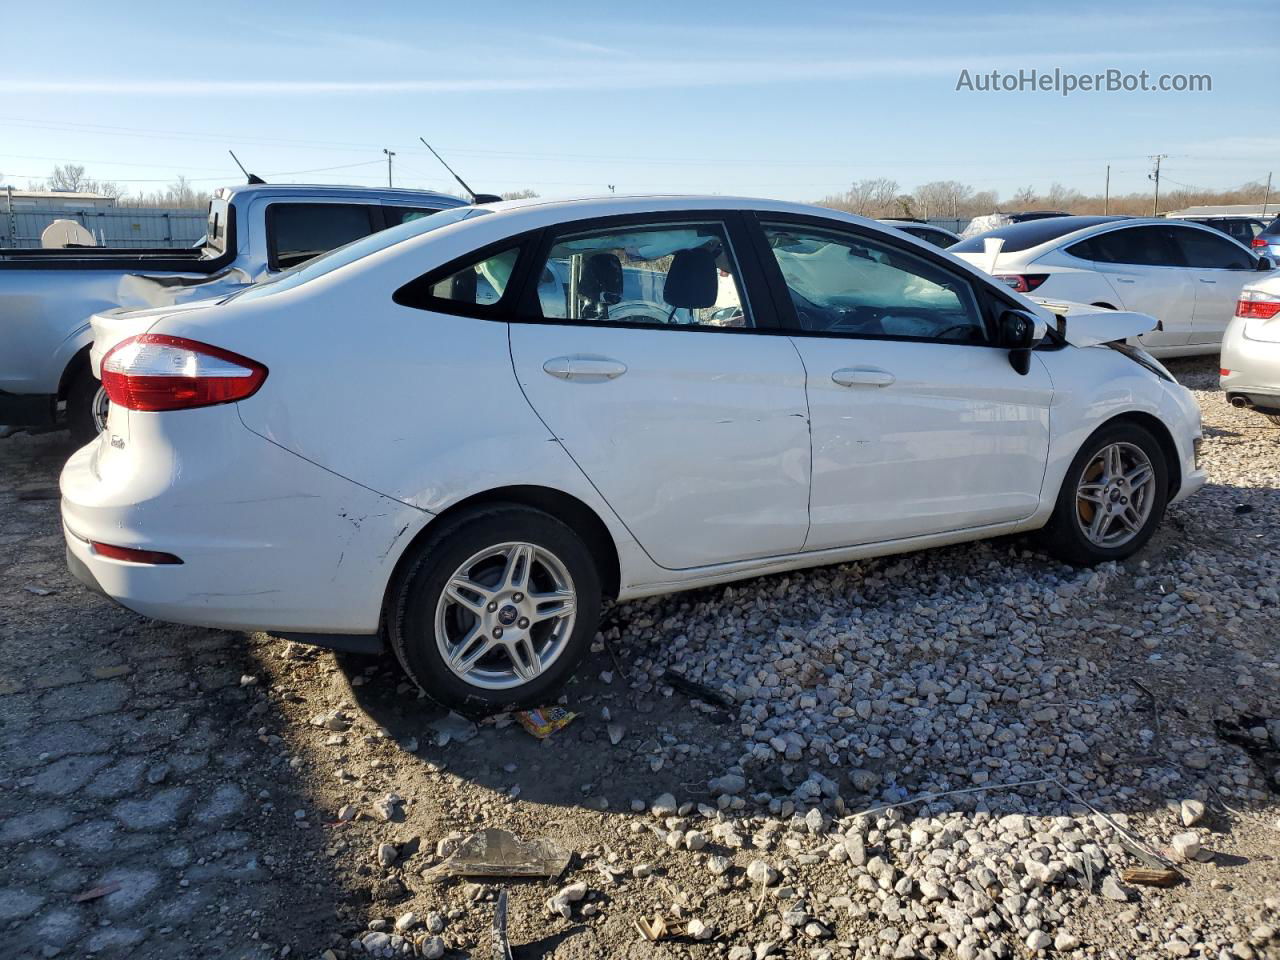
<point>1250,364</point>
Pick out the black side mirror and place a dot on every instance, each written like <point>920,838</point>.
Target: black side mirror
<point>1019,332</point>
<point>1265,265</point>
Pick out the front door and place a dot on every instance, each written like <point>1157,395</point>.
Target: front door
<point>644,358</point>
<point>919,425</point>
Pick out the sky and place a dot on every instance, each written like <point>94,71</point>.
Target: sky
<point>791,100</point>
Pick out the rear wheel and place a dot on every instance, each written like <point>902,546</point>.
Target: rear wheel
<point>87,406</point>
<point>1112,498</point>
<point>496,610</point>
<point>1273,417</point>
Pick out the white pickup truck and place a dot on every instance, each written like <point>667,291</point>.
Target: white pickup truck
<point>255,231</point>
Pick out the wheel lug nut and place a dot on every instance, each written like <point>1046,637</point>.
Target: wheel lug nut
<point>523,623</point>
<point>518,597</point>
<point>497,633</point>
<point>493,606</point>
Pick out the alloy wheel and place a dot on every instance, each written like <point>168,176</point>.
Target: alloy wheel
<point>505,615</point>
<point>1115,494</point>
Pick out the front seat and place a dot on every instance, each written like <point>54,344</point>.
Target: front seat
<point>691,282</point>
<point>600,285</point>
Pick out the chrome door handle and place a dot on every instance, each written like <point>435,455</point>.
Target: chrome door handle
<point>863,377</point>
<point>585,369</point>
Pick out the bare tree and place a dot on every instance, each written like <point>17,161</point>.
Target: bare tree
<point>69,178</point>
<point>942,198</point>
<point>868,198</point>
<point>525,194</point>
<point>1025,197</point>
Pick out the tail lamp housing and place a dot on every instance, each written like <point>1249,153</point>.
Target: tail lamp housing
<point>155,371</point>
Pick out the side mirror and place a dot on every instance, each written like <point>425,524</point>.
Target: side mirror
<point>1019,332</point>
<point>1265,265</point>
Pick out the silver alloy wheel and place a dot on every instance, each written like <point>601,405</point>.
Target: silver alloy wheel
<point>505,615</point>
<point>1115,494</point>
<point>99,408</point>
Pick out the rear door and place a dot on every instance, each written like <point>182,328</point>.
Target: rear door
<point>673,390</point>
<point>1221,268</point>
<point>1144,266</point>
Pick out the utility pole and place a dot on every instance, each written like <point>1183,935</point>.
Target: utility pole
<point>1155,175</point>
<point>390,154</point>
<point>1267,196</point>
<point>1106,193</point>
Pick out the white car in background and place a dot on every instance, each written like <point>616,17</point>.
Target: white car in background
<point>1250,363</point>
<point>1186,275</point>
<point>463,433</point>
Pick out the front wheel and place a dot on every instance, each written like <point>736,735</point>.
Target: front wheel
<point>1112,498</point>
<point>496,610</point>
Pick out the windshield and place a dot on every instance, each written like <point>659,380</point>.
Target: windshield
<point>349,253</point>
<point>1029,233</point>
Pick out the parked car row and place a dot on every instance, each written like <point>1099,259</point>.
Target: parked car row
<point>461,434</point>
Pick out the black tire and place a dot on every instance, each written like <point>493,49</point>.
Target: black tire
<point>411,616</point>
<point>81,395</point>
<point>1064,537</point>
<point>1273,417</point>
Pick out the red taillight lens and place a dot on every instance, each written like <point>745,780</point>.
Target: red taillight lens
<point>1022,282</point>
<point>1257,309</point>
<point>155,371</point>
<point>131,555</point>
<point>1259,241</point>
<point>1224,372</point>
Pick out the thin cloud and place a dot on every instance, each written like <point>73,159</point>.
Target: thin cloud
<point>533,76</point>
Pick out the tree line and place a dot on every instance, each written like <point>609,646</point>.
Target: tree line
<point>882,197</point>
<point>872,197</point>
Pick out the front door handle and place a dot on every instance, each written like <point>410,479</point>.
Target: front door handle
<point>863,377</point>
<point>1203,280</point>
<point>585,369</point>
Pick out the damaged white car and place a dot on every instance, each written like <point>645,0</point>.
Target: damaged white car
<point>462,434</point>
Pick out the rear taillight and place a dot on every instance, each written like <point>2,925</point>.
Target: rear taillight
<point>1259,241</point>
<point>131,554</point>
<point>155,371</point>
<point>1255,305</point>
<point>1022,282</point>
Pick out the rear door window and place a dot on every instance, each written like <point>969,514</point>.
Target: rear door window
<point>1201,248</point>
<point>296,232</point>
<point>672,274</point>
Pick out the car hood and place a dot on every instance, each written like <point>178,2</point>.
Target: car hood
<point>1083,325</point>
<point>111,326</point>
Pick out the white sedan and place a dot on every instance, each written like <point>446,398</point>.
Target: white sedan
<point>1185,274</point>
<point>463,433</point>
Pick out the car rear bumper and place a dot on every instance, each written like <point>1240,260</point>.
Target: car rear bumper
<point>268,541</point>
<point>1253,367</point>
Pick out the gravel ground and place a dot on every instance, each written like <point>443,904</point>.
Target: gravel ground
<point>168,791</point>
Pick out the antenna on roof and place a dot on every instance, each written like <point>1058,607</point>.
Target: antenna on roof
<point>251,177</point>
<point>475,197</point>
